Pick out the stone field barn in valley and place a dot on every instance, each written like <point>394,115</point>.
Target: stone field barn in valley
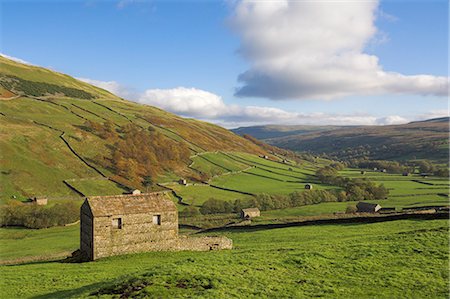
<point>113,225</point>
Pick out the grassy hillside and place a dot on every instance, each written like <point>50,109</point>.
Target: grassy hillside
<point>416,140</point>
<point>399,259</point>
<point>45,141</point>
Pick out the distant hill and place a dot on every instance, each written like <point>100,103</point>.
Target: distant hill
<point>416,140</point>
<point>276,131</point>
<point>59,134</point>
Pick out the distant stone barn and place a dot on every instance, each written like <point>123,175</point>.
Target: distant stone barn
<point>308,186</point>
<point>366,207</point>
<point>114,225</point>
<point>250,213</point>
<point>40,201</point>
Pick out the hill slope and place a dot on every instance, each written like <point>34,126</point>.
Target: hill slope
<point>421,140</point>
<point>58,132</point>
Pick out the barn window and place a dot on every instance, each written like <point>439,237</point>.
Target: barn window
<point>117,223</point>
<point>157,219</point>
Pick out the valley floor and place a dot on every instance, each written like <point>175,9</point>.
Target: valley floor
<point>398,259</point>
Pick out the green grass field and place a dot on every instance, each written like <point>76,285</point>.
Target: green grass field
<point>18,243</point>
<point>259,175</point>
<point>400,259</point>
<point>197,194</point>
<point>96,186</point>
<point>407,191</point>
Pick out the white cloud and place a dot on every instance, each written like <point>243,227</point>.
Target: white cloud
<point>391,120</point>
<point>315,50</point>
<point>185,101</point>
<point>205,105</point>
<point>433,114</point>
<point>15,59</point>
<point>193,102</point>
<point>112,86</point>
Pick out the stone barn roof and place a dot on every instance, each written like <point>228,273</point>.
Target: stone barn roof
<point>129,204</point>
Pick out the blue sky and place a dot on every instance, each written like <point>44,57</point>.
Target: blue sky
<point>186,57</point>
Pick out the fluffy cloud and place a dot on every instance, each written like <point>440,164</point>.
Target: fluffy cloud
<point>315,50</point>
<point>201,104</point>
<point>391,120</point>
<point>112,86</point>
<point>193,102</point>
<point>185,101</point>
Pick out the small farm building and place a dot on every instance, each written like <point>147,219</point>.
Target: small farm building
<point>182,182</point>
<point>136,192</point>
<point>308,186</point>
<point>365,207</point>
<point>40,201</point>
<point>250,213</point>
<point>114,225</point>
<point>363,172</point>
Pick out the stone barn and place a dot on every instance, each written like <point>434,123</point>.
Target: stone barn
<point>308,186</point>
<point>40,201</point>
<point>250,213</point>
<point>366,207</point>
<point>120,224</point>
<point>136,192</point>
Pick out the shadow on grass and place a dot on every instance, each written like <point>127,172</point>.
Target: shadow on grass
<point>35,262</point>
<point>74,292</point>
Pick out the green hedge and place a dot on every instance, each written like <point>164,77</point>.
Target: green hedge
<point>34,216</point>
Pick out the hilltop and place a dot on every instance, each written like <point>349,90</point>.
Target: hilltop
<point>416,140</point>
<point>58,133</point>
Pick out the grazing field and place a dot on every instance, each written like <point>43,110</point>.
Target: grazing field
<point>255,184</point>
<point>407,191</point>
<point>216,163</point>
<point>240,172</point>
<point>196,195</point>
<point>16,243</point>
<point>96,186</point>
<point>331,261</point>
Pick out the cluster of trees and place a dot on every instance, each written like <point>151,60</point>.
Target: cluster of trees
<point>139,154</point>
<point>189,211</point>
<point>41,88</point>
<point>355,189</point>
<point>426,166</point>
<point>33,216</point>
<point>423,166</point>
<point>390,166</point>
